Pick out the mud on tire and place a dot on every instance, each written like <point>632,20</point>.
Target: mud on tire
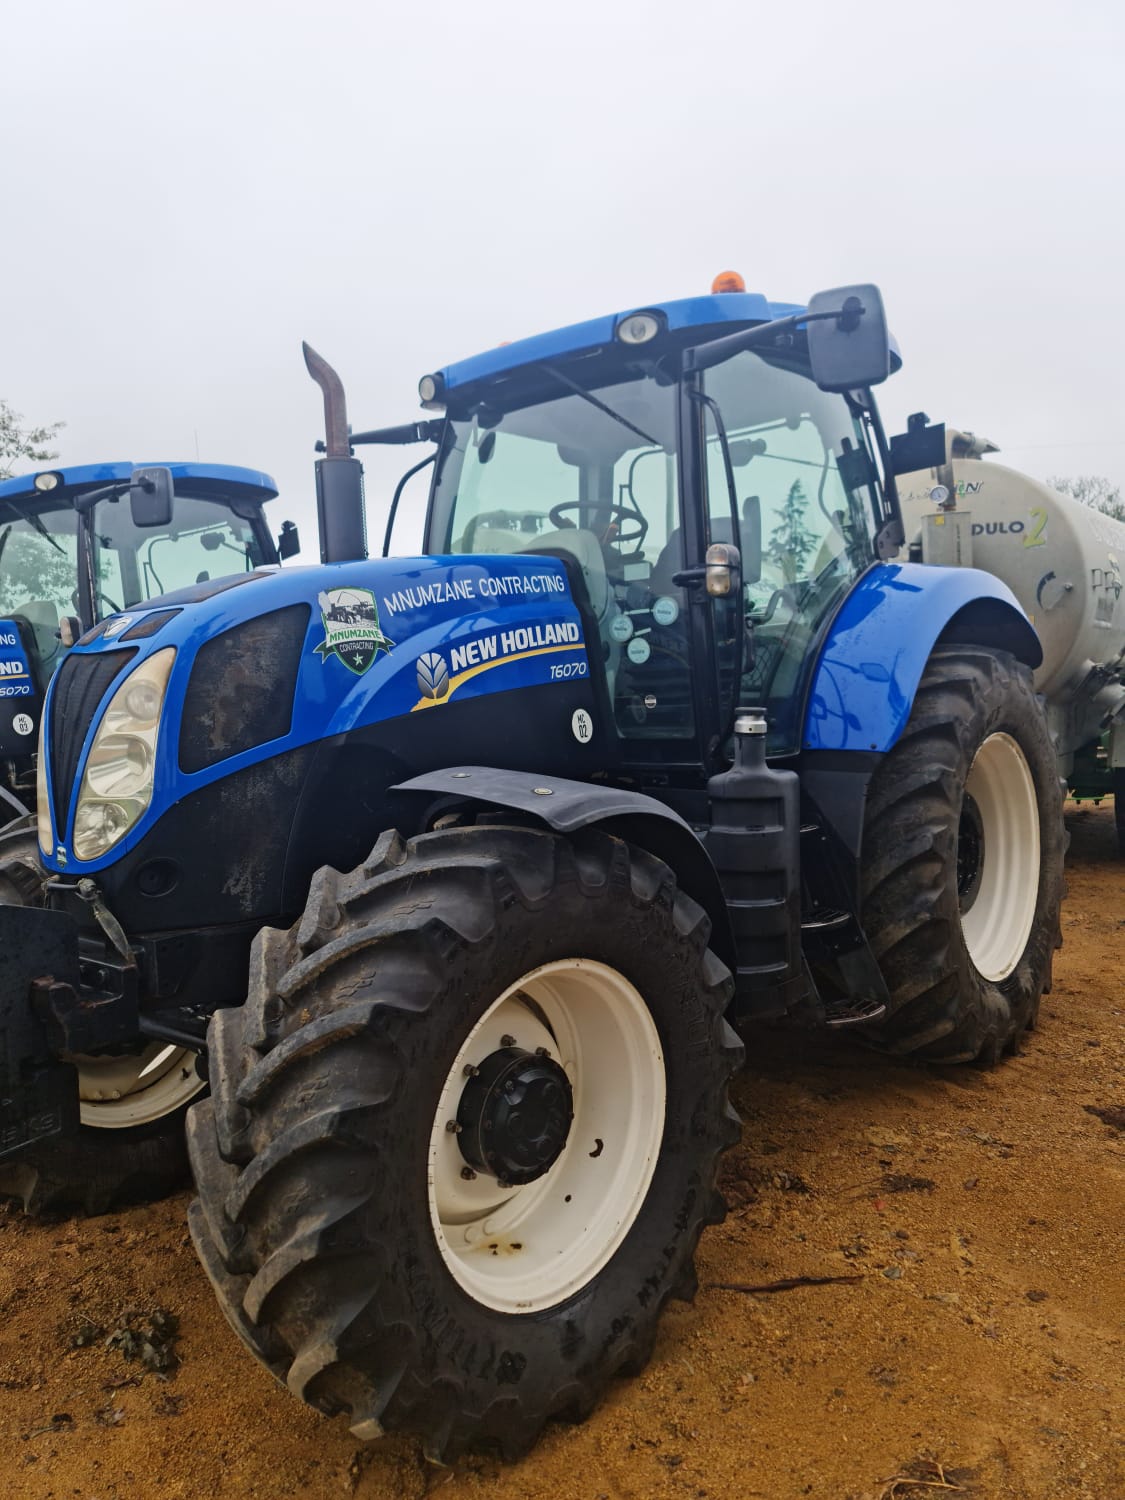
<point>931,850</point>
<point>314,1157</point>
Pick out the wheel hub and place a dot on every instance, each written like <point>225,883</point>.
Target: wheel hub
<point>514,1115</point>
<point>970,853</point>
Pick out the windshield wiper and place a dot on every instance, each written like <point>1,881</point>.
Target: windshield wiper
<point>600,405</point>
<point>37,525</point>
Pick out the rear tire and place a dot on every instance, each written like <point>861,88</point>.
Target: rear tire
<point>353,1247</point>
<point>106,1165</point>
<point>962,868</point>
<point>1119,808</point>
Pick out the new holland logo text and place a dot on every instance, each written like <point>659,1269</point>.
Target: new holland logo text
<point>351,628</point>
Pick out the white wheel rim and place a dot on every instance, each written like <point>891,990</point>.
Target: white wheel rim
<point>523,1249</point>
<point>998,923</point>
<point>118,1092</point>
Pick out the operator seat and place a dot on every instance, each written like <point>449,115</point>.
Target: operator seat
<point>582,545</point>
<point>43,617</point>
<point>586,550</point>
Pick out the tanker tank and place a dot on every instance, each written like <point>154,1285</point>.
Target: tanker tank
<point>1064,562</point>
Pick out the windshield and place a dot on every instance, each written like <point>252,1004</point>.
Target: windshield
<point>39,567</point>
<point>597,481</point>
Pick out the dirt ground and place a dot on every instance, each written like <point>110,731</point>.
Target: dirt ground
<point>977,1343</point>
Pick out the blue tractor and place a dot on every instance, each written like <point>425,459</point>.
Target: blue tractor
<point>451,873</point>
<point>89,540</point>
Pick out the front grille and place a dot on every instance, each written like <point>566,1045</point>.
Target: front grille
<point>80,685</point>
<point>241,690</point>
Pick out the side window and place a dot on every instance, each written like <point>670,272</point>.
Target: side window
<point>804,524</point>
<point>174,562</point>
<point>206,540</point>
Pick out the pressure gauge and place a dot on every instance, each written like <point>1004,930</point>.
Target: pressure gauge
<point>665,611</point>
<point>620,628</point>
<point>638,650</point>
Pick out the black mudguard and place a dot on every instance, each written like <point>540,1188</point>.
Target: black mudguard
<point>566,806</point>
<point>38,1094</point>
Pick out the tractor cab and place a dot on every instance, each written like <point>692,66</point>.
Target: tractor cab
<point>644,447</point>
<point>74,549</point>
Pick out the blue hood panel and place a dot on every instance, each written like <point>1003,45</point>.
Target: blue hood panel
<point>386,638</point>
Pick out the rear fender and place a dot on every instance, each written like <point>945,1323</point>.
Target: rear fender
<point>877,647</point>
<point>566,806</point>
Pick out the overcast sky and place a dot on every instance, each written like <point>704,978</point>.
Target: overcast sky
<point>192,188</point>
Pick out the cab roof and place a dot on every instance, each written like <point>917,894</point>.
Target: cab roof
<point>719,311</point>
<point>202,479</point>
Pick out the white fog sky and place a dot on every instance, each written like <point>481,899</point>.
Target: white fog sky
<point>192,188</point>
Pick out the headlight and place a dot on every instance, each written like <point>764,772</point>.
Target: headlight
<point>117,782</point>
<point>42,805</point>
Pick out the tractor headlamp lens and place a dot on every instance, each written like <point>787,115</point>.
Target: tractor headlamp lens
<point>142,701</point>
<point>120,765</point>
<point>98,826</point>
<point>118,779</point>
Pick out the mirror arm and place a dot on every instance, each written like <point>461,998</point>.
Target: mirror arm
<point>704,356</point>
<point>87,502</point>
<point>397,496</point>
<point>409,432</point>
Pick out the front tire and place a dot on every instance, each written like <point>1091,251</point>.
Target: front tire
<point>962,869</point>
<point>393,1208</point>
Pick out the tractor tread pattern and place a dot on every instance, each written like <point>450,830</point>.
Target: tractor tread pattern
<point>942,1010</point>
<point>287,1153</point>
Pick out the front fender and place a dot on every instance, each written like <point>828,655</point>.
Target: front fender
<point>877,648</point>
<point>566,806</point>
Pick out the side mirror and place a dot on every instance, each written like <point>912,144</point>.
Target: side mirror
<point>750,536</point>
<point>151,497</point>
<point>289,541</point>
<point>921,446</point>
<point>849,346</point>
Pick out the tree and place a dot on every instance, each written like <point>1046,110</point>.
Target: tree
<point>1093,490</point>
<point>19,442</point>
<point>791,541</point>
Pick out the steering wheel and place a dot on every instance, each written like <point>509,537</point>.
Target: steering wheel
<point>611,509</point>
<point>114,608</point>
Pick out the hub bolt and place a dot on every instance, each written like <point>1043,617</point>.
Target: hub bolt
<point>453,1127</point>
<point>542,1052</point>
<point>507,1041</point>
<point>469,1071</point>
<point>468,1174</point>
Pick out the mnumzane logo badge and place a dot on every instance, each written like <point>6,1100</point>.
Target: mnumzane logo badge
<point>351,628</point>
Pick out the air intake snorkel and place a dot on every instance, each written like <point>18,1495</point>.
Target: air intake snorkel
<point>340,516</point>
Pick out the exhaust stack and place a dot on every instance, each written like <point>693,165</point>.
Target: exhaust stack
<point>340,513</point>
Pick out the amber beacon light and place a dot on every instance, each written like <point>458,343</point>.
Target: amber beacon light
<point>728,281</point>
